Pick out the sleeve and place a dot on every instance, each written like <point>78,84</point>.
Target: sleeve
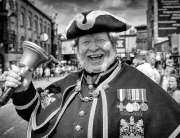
<point>25,102</point>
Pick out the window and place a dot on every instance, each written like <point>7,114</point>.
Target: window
<point>12,25</point>
<point>35,23</point>
<point>45,29</point>
<point>45,47</point>
<point>22,21</point>
<point>41,26</point>
<point>36,42</point>
<point>41,44</point>
<point>20,49</point>
<point>11,48</point>
<point>22,17</point>
<point>35,26</point>
<point>49,48</point>
<point>48,32</point>
<point>29,23</point>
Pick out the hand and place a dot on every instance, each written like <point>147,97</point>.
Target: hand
<point>13,78</point>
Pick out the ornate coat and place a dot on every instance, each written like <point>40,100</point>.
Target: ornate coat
<point>119,103</point>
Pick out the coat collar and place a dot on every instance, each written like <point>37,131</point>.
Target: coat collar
<point>96,78</point>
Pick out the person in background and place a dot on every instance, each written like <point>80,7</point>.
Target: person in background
<point>164,81</point>
<point>41,72</point>
<point>47,73</point>
<point>173,87</point>
<point>105,99</point>
<point>148,68</point>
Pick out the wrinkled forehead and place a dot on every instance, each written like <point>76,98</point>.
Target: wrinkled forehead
<point>96,35</point>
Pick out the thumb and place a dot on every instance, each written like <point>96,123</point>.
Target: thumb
<point>25,71</point>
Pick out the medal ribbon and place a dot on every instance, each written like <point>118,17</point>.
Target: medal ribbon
<point>137,95</point>
<point>128,94</point>
<point>133,91</point>
<point>121,94</point>
<point>143,95</point>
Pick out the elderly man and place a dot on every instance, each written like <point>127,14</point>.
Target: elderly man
<point>106,98</point>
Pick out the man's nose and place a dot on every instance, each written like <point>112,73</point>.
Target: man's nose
<point>93,46</point>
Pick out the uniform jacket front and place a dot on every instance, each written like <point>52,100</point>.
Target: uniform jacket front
<point>59,111</point>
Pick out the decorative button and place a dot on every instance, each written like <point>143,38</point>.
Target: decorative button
<point>90,86</point>
<point>81,113</point>
<point>78,127</point>
<point>106,86</point>
<point>96,93</point>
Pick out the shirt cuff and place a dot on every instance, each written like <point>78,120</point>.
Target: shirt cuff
<point>24,98</point>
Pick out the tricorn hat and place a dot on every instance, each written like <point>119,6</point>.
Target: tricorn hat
<point>95,22</point>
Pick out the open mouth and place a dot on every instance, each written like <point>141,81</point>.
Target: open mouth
<point>95,57</point>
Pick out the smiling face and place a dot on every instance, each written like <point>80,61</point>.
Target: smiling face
<point>96,52</point>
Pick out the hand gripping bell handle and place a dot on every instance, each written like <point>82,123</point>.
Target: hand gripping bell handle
<point>7,94</point>
<point>33,56</point>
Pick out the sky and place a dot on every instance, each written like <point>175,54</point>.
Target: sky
<point>134,11</point>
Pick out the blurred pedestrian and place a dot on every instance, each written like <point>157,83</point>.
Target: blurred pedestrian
<point>173,87</point>
<point>41,72</point>
<point>164,81</point>
<point>47,73</point>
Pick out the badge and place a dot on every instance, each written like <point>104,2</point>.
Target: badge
<point>131,129</point>
<point>143,106</point>
<point>46,99</point>
<point>121,94</point>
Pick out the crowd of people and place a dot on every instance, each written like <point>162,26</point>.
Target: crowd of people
<point>164,71</point>
<point>53,71</point>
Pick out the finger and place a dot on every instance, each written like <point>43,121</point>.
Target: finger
<point>15,69</point>
<point>12,80</point>
<point>10,84</point>
<point>13,74</point>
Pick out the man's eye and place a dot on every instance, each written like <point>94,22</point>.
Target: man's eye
<point>101,40</point>
<point>86,42</point>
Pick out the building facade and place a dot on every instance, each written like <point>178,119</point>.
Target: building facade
<point>22,20</point>
<point>161,22</point>
<point>141,41</point>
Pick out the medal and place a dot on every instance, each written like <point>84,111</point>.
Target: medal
<point>129,107</point>
<point>135,97</point>
<point>121,96</point>
<point>143,106</point>
<point>136,106</point>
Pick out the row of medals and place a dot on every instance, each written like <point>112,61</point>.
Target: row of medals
<point>130,107</point>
